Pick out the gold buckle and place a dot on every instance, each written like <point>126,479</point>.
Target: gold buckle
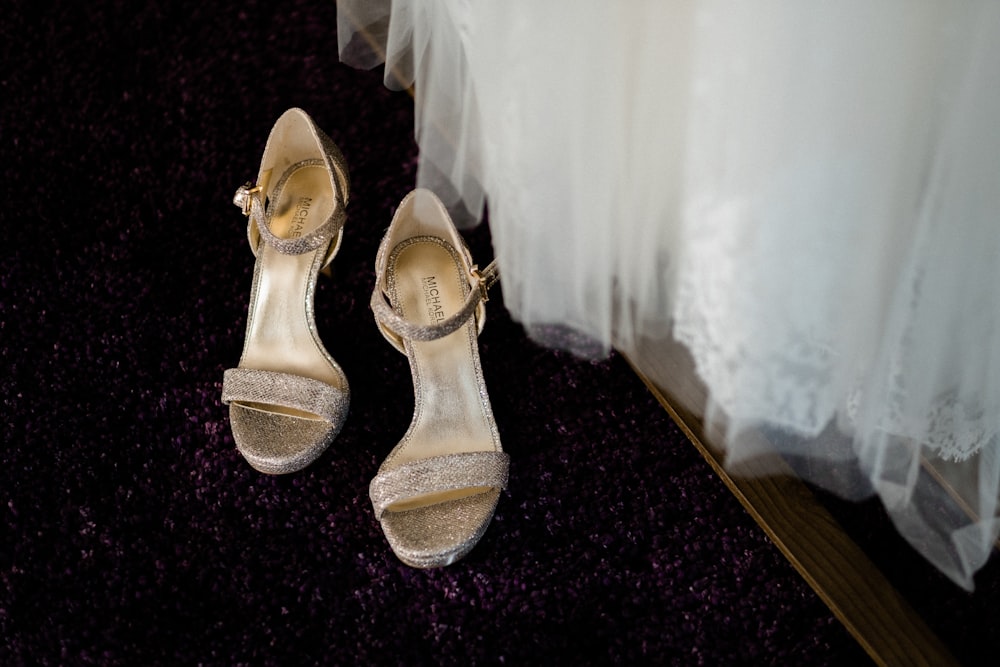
<point>244,194</point>
<point>484,294</point>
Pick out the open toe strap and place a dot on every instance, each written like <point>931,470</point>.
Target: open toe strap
<point>438,474</point>
<point>250,385</point>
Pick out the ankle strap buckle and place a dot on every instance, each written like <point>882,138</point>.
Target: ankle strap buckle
<point>485,278</point>
<point>244,195</point>
<point>481,282</point>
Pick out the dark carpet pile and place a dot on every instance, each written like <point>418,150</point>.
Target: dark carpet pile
<point>133,533</point>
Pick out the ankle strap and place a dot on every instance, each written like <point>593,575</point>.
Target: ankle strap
<point>250,200</point>
<point>397,328</point>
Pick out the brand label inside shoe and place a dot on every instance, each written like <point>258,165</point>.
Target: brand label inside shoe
<point>432,299</point>
<point>299,218</point>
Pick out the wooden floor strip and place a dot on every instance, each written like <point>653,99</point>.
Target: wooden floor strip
<point>857,593</point>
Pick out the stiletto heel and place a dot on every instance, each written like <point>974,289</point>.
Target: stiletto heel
<point>436,492</point>
<point>288,398</point>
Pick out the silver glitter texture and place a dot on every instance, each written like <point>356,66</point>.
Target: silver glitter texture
<point>272,441</point>
<point>249,385</point>
<point>438,474</point>
<point>441,531</point>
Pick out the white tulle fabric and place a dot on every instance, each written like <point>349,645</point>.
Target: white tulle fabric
<point>807,196</point>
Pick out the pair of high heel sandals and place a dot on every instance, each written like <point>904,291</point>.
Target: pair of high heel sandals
<point>436,492</point>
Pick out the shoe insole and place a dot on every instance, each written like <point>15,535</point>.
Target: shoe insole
<point>279,337</point>
<point>450,416</point>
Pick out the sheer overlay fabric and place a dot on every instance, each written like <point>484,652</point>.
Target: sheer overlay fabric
<point>807,197</point>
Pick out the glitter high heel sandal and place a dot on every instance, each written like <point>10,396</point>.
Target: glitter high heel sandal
<point>288,398</point>
<point>436,492</point>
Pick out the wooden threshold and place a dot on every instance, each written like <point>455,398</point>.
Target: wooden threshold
<point>857,593</point>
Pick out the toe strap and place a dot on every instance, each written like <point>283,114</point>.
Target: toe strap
<point>438,474</point>
<point>250,385</point>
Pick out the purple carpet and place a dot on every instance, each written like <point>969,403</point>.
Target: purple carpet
<point>132,531</point>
